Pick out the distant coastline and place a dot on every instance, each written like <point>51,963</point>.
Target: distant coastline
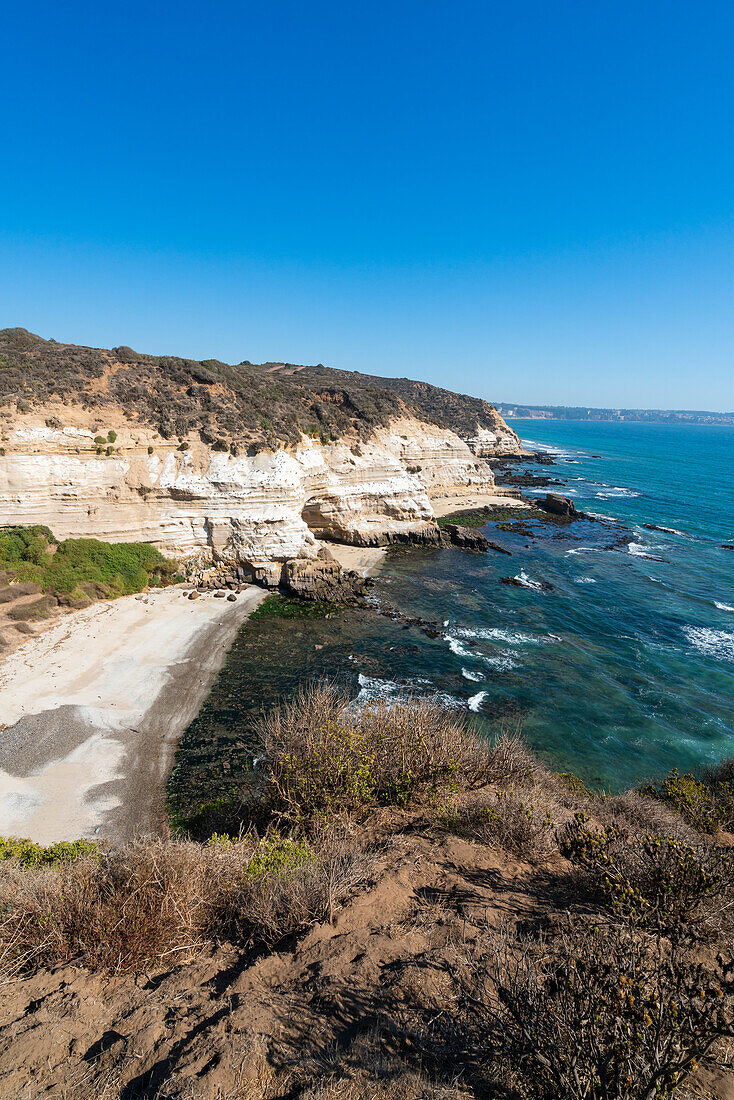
<point>633,416</point>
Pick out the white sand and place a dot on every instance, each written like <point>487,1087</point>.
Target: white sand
<point>443,506</point>
<point>88,696</point>
<point>361,559</point>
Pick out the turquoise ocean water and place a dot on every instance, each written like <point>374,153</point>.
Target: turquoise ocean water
<point>619,669</point>
<point>626,666</point>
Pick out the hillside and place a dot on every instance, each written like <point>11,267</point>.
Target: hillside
<point>396,910</point>
<point>269,403</point>
<point>245,464</point>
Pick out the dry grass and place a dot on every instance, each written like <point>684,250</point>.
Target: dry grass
<point>326,756</point>
<point>519,821</point>
<point>152,900</point>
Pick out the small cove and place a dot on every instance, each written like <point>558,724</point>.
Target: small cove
<point>614,653</point>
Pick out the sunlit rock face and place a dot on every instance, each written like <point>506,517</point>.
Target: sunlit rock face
<point>272,506</point>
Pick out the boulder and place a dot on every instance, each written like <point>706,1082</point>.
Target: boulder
<point>558,506</point>
<point>466,538</point>
<point>37,609</point>
<point>232,597</point>
<point>267,573</point>
<point>321,579</point>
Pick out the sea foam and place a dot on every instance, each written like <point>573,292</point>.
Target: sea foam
<point>713,643</point>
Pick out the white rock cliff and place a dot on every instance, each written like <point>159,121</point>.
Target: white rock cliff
<point>252,509</point>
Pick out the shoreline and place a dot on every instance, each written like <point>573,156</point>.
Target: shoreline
<point>94,707</point>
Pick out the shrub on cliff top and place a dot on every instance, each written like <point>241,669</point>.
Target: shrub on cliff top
<point>124,908</point>
<point>327,756</point>
<point>118,568</point>
<point>706,802</point>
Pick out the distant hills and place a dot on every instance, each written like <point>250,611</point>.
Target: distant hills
<point>577,412</point>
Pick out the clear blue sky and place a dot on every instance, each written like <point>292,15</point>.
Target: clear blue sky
<point>529,201</point>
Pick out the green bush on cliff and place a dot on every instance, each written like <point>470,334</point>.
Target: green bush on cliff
<point>108,569</point>
<point>28,854</point>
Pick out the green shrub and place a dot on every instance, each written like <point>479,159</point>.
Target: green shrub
<point>100,440</point>
<point>705,803</point>
<point>655,882</point>
<point>114,569</point>
<point>111,436</point>
<point>29,854</point>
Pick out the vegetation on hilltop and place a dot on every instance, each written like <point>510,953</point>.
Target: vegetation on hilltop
<point>78,568</point>
<point>229,406</point>
<point>440,918</point>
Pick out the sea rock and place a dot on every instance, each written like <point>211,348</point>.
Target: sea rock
<point>498,549</point>
<point>558,505</point>
<point>727,546</point>
<point>466,538</point>
<point>322,580</point>
<point>518,582</point>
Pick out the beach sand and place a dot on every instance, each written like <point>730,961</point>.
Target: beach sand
<point>361,559</point>
<point>92,708</point>
<point>443,506</point>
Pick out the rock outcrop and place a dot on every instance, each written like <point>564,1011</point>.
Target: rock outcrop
<point>558,506</point>
<point>323,579</point>
<point>466,538</point>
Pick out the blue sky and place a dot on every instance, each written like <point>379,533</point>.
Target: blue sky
<point>526,201</point>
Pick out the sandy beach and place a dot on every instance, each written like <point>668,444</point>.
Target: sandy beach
<point>92,708</point>
<point>361,559</point>
<point>443,506</point>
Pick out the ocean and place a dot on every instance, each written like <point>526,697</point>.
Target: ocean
<point>613,655</point>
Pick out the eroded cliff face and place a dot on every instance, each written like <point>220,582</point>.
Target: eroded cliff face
<point>268,507</point>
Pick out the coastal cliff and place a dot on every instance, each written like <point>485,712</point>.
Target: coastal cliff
<point>123,447</point>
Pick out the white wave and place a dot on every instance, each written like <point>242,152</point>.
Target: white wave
<point>373,690</point>
<point>723,606</point>
<point>496,634</point>
<point>528,582</point>
<point>501,661</point>
<point>584,580</point>
<point>713,643</point>
<point>476,700</point>
<point>639,550</point>
<point>473,676</point>
<point>586,550</point>
<point>615,492</point>
<point>446,700</point>
<point>549,449</point>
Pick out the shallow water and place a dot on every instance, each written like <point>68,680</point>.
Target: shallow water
<point>622,668</point>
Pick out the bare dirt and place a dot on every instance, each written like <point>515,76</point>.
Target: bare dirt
<point>344,1010</point>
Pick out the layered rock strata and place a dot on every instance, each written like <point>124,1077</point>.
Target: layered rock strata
<point>262,509</point>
